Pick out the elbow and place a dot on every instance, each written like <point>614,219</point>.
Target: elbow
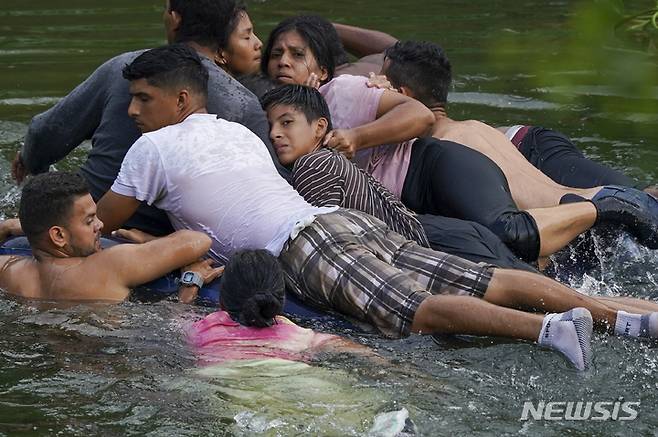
<point>425,122</point>
<point>198,242</point>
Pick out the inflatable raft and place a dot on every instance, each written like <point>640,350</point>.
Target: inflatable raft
<point>166,285</point>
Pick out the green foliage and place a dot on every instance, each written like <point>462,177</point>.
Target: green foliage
<point>602,58</point>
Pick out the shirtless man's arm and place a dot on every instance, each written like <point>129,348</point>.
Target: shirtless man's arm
<point>399,118</point>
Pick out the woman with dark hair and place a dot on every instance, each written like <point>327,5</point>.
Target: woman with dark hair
<point>250,325</point>
<point>239,50</point>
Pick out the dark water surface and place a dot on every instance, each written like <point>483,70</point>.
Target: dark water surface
<point>125,369</point>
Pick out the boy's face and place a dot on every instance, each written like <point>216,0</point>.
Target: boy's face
<point>151,107</point>
<point>292,135</point>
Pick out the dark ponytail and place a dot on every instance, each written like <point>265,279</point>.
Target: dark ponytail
<point>253,288</point>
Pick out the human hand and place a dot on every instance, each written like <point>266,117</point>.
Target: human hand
<point>18,171</point>
<point>9,228</point>
<point>379,81</point>
<point>205,269</point>
<point>312,81</point>
<point>344,141</point>
<point>134,235</point>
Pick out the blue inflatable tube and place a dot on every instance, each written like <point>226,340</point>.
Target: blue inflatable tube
<point>166,285</point>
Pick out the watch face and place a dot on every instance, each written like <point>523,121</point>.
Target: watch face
<point>187,278</point>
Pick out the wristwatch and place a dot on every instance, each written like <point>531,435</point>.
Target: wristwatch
<point>190,278</point>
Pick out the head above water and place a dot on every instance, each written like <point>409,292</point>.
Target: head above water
<point>57,214</point>
<point>422,68</point>
<point>299,120</point>
<point>167,84</point>
<point>239,49</point>
<point>253,288</point>
<point>300,46</point>
<point>201,22</point>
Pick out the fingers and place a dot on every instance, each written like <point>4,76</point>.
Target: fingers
<point>128,234</point>
<point>328,138</point>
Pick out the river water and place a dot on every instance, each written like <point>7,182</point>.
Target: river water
<point>125,369</point>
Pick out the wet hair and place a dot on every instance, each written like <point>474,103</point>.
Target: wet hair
<point>321,44</point>
<point>305,99</point>
<point>253,288</point>
<point>423,67</point>
<point>206,22</point>
<point>233,11</point>
<point>47,200</point>
<point>170,67</point>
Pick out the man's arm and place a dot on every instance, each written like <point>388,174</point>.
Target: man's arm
<point>54,133</point>
<point>363,42</point>
<point>399,118</point>
<point>114,210</point>
<point>136,264</point>
<point>10,228</point>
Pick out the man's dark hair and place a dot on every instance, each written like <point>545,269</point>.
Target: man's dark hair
<point>253,288</point>
<point>47,200</point>
<point>170,67</point>
<point>322,45</point>
<point>303,98</point>
<point>206,22</point>
<point>423,67</point>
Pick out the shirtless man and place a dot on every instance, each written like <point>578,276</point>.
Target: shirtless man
<point>422,71</point>
<point>58,216</point>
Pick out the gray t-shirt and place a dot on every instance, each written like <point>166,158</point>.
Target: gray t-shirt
<point>97,109</point>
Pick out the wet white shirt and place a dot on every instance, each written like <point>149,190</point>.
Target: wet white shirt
<point>215,176</point>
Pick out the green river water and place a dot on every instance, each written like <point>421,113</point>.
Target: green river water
<point>125,369</point>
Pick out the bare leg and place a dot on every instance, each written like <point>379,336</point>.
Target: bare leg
<point>630,304</point>
<point>533,292</point>
<point>561,224</point>
<point>443,314</point>
<point>653,190</point>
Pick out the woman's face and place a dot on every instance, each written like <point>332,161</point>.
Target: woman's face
<point>242,56</point>
<point>291,60</point>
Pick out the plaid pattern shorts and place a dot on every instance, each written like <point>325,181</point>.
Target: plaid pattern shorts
<point>352,263</point>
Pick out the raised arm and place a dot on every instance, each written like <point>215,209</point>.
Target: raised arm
<point>399,118</point>
<point>363,42</point>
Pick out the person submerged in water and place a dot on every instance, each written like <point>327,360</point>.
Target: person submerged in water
<point>250,324</point>
<point>58,216</point>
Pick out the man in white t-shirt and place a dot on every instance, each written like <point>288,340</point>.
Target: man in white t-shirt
<point>216,176</point>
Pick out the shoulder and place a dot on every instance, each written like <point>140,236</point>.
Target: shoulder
<point>343,83</point>
<point>324,160</point>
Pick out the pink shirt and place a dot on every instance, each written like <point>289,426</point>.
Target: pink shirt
<point>218,338</point>
<point>352,104</point>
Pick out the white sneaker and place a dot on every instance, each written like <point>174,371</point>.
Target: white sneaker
<point>571,334</point>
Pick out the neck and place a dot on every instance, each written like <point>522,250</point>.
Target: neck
<point>439,111</point>
<point>202,50</point>
<point>198,109</point>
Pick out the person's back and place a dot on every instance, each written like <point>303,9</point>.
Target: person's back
<point>530,188</point>
<point>208,173</point>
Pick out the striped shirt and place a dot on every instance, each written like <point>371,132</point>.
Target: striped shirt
<point>327,178</point>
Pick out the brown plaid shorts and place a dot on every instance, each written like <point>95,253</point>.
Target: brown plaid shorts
<point>352,263</point>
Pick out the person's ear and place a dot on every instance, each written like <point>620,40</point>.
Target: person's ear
<point>58,236</point>
<point>321,125</point>
<point>406,91</point>
<point>324,74</point>
<point>221,58</point>
<point>183,100</point>
<point>176,20</point>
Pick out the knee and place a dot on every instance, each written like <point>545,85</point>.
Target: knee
<point>519,232</point>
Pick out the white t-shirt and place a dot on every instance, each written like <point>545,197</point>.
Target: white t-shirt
<point>215,176</point>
